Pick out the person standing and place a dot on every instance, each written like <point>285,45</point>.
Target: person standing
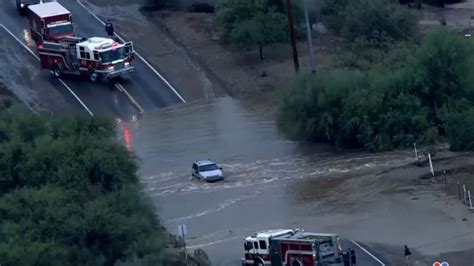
<point>346,258</point>
<point>407,255</point>
<point>353,257</point>
<point>109,28</point>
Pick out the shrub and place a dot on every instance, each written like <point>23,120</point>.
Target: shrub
<point>374,20</point>
<point>250,23</point>
<point>460,130</point>
<point>393,100</point>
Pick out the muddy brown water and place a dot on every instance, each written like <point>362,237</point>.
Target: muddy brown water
<point>270,182</point>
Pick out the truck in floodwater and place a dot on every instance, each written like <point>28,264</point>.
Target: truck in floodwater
<point>50,22</point>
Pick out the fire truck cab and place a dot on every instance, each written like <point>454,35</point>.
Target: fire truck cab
<point>96,58</point>
<point>287,247</point>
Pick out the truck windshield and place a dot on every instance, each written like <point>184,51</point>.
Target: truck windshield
<point>112,55</point>
<point>59,30</point>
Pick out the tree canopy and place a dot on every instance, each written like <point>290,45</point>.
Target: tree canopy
<point>404,95</point>
<point>250,23</point>
<point>374,20</point>
<point>69,195</point>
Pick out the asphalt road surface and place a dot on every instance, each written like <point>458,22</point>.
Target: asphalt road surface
<point>141,91</point>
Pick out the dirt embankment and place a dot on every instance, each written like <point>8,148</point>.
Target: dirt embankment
<point>240,72</point>
<point>440,227</point>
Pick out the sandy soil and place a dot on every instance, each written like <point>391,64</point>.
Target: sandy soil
<point>403,205</point>
<point>241,71</point>
<point>442,228</point>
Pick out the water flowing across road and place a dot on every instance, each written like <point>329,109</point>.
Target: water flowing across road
<point>270,182</point>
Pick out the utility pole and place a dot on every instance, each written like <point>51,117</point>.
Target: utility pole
<point>292,35</point>
<point>310,38</point>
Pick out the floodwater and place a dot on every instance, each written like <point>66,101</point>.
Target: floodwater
<point>270,182</point>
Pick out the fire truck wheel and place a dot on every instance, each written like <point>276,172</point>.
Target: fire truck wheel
<point>93,76</point>
<point>258,262</point>
<point>56,71</point>
<point>296,263</point>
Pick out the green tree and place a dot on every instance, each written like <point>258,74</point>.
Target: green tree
<point>333,13</point>
<point>69,195</point>
<point>441,71</point>
<point>311,108</point>
<point>249,23</point>
<point>388,99</point>
<point>376,20</point>
<point>460,130</point>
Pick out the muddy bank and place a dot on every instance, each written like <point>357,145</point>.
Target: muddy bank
<point>442,229</point>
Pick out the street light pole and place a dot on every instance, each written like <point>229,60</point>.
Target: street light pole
<point>291,30</point>
<point>310,38</point>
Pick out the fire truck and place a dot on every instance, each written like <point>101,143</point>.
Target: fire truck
<point>49,22</point>
<point>292,247</point>
<point>96,58</point>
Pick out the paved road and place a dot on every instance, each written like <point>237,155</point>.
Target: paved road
<point>363,256</point>
<point>144,86</point>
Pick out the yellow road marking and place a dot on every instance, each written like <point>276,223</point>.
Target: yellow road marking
<point>121,88</point>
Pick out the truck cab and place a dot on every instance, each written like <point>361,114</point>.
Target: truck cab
<point>50,22</point>
<point>257,246</point>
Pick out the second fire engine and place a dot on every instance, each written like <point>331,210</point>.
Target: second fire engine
<point>50,22</point>
<point>96,58</point>
<point>287,247</point>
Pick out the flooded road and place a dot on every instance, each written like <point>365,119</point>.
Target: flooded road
<point>270,182</point>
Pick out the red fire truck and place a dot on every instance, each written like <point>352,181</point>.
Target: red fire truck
<point>287,247</point>
<point>49,22</point>
<point>96,58</point>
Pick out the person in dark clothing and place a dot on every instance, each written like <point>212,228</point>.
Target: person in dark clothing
<point>109,28</point>
<point>346,258</point>
<point>353,257</point>
<point>407,254</point>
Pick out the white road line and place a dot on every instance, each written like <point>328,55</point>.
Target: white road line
<point>139,56</point>
<point>77,97</point>
<point>121,88</point>
<point>368,253</point>
<point>37,58</point>
<point>20,42</point>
